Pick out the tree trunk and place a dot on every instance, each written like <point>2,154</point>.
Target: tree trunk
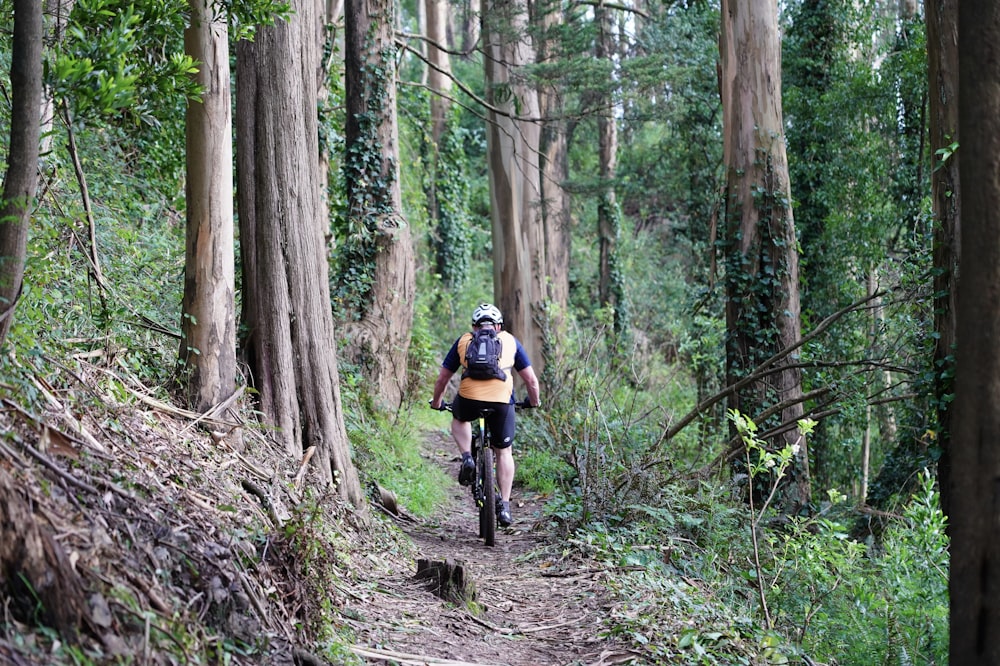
<point>439,71</point>
<point>942,56</point>
<point>470,18</point>
<point>762,310</point>
<point>909,184</point>
<point>291,346</point>
<point>438,75</point>
<point>58,12</point>
<point>208,317</point>
<point>447,579</point>
<point>611,290</point>
<point>975,454</point>
<point>380,341</point>
<point>21,178</point>
<point>512,145</point>
<point>447,194</point>
<point>556,216</point>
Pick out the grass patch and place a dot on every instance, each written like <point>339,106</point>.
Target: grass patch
<point>388,452</point>
<point>543,471</point>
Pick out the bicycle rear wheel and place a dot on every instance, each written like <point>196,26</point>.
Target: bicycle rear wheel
<point>488,509</point>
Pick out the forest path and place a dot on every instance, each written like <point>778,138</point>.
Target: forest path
<point>534,606</point>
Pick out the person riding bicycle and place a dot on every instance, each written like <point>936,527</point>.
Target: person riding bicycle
<point>475,395</point>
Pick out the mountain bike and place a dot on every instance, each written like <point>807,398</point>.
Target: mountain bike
<point>484,488</point>
<point>484,485</point>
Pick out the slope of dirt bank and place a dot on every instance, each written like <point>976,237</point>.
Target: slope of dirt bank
<point>533,606</point>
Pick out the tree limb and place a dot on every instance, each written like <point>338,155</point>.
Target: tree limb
<point>762,370</point>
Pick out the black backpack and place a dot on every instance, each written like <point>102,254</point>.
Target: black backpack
<point>482,356</point>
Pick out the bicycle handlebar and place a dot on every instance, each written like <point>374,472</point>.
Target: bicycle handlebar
<point>524,404</point>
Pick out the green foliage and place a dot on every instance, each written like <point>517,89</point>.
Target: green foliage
<point>112,59</point>
<point>387,451</point>
<point>683,592</point>
<point>121,66</point>
<point>140,244</point>
<point>541,470</point>
<point>800,550</point>
<point>245,16</point>
<point>671,572</point>
<point>609,431</point>
<point>368,177</point>
<point>669,164</point>
<point>893,605</point>
<point>454,238</point>
<point>914,565</point>
<point>854,91</point>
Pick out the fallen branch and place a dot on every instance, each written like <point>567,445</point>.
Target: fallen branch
<point>409,659</point>
<point>303,466</point>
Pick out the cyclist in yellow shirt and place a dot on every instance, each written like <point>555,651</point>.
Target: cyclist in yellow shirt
<point>496,394</point>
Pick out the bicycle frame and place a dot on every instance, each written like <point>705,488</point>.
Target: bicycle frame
<point>484,489</point>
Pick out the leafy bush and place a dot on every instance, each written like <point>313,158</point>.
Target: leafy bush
<point>542,471</point>
<point>896,609</point>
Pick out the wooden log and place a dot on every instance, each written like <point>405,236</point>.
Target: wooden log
<point>447,579</point>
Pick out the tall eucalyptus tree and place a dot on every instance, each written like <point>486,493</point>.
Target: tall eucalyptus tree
<point>290,344</point>
<point>946,196</point>
<point>208,315</point>
<point>439,65</point>
<point>513,139</point>
<point>611,289</point>
<point>762,279</point>
<point>446,189</point>
<point>379,339</point>
<point>974,584</point>
<point>438,79</point>
<point>550,17</point>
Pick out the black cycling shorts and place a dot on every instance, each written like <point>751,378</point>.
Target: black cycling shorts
<point>500,422</point>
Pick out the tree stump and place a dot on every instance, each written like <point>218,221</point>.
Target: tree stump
<point>447,580</point>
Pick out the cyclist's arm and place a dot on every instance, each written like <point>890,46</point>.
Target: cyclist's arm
<point>530,379</point>
<point>449,367</point>
<point>440,385</point>
<point>523,367</point>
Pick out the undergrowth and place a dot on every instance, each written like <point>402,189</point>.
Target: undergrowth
<point>699,576</point>
<point>387,451</point>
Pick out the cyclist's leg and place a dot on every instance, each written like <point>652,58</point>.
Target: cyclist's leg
<point>461,432</point>
<point>505,471</point>
<point>463,413</point>
<point>502,425</point>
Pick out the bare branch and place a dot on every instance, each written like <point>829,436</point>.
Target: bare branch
<point>614,5</point>
<point>763,369</point>
<point>403,35</point>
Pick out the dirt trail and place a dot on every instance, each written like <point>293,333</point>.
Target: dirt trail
<point>534,607</point>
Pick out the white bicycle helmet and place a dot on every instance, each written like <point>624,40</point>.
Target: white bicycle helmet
<point>486,312</point>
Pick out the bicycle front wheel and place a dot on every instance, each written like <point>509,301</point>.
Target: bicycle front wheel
<point>488,509</point>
